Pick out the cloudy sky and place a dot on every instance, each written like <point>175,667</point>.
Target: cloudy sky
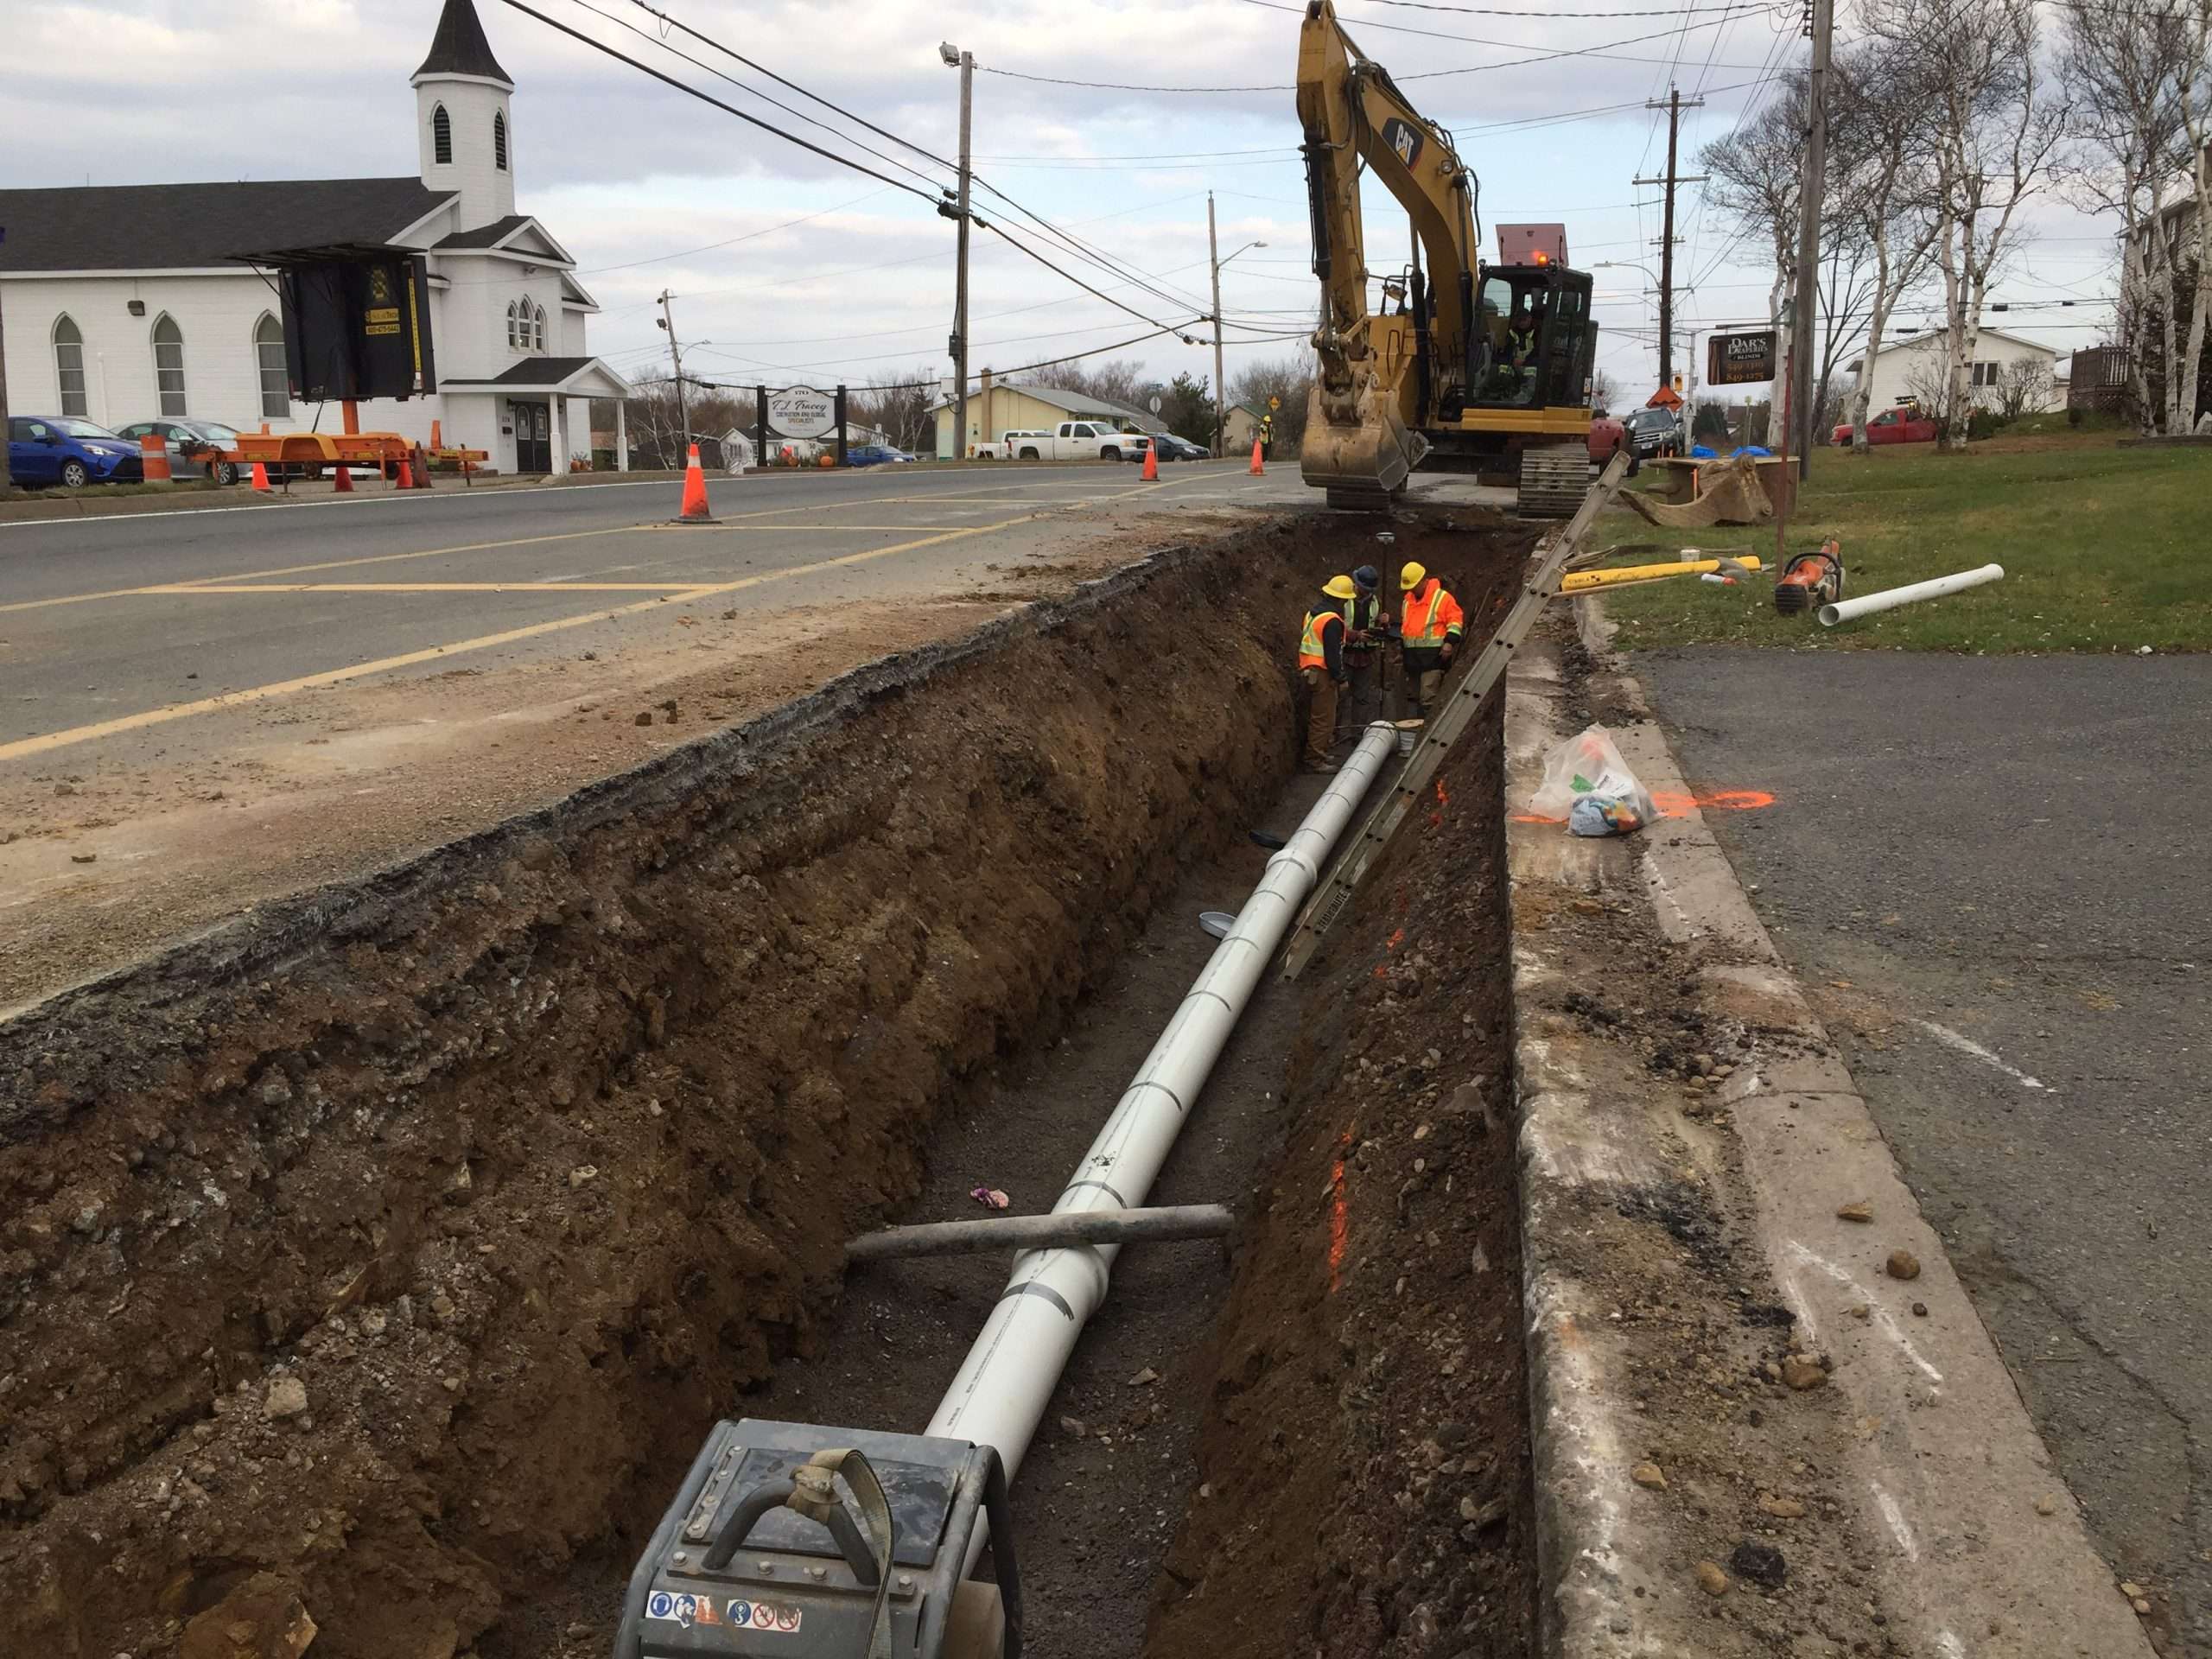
<point>789,267</point>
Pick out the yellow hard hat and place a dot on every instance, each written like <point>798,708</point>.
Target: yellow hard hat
<point>1411,577</point>
<point>1339,587</point>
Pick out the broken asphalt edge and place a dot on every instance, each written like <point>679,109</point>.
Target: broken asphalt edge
<point>1945,1471</point>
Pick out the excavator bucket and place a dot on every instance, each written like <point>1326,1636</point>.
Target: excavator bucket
<point>1362,464</point>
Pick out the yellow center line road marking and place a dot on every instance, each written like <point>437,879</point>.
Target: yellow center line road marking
<point>48,741</point>
<point>430,587</point>
<point>326,565</point>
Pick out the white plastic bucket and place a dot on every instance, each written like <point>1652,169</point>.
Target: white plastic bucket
<point>1408,735</point>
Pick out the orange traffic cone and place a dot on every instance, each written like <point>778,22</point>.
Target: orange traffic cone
<point>694,493</point>
<point>406,478</point>
<point>342,483</point>
<point>1152,462</point>
<point>1258,466</point>
<point>154,458</point>
<point>260,477</point>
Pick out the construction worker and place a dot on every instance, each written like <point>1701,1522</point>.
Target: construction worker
<point>1321,665</point>
<point>1521,349</point>
<point>1429,632</point>
<point>1367,632</point>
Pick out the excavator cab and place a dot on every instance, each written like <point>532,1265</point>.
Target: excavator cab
<point>1534,342</point>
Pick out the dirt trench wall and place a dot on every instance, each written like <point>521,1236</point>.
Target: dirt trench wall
<point>400,1242</point>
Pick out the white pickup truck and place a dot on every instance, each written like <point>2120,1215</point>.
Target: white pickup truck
<point>1069,441</point>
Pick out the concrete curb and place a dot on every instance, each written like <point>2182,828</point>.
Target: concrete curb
<point>1945,1473</point>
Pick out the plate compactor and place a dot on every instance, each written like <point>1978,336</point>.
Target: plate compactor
<point>808,1542</point>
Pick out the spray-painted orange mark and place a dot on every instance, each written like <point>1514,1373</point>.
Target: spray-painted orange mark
<point>1675,803</point>
<point>1339,1215</point>
<point>1443,799</point>
<point>1394,940</point>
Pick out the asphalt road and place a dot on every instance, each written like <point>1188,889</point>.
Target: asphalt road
<point>112,628</point>
<point>2005,862</point>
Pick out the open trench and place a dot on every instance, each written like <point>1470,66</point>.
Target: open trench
<point>393,1248</point>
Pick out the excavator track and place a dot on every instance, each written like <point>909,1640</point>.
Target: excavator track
<point>1553,480</point>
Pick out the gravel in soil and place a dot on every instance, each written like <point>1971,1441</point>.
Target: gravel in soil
<point>383,1256</point>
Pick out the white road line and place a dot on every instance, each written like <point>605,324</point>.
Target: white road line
<point>1966,1045</point>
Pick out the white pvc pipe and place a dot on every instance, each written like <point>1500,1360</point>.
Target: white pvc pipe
<point>1003,1386</point>
<point>1845,610</point>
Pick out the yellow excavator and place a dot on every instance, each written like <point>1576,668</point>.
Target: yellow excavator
<point>1465,367</point>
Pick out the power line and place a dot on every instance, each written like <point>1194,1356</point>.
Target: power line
<point>1511,46</point>
<point>709,98</point>
<point>1425,74</point>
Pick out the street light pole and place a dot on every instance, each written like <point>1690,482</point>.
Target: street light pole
<point>1213,254</point>
<point>676,355</point>
<point>965,62</point>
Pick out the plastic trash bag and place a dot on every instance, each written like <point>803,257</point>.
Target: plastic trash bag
<point>1703,452</point>
<point>1749,449</point>
<point>1587,783</point>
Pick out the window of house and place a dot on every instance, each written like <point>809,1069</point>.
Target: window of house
<point>514,325</point>
<point>269,357</point>
<point>69,364</point>
<point>499,140</point>
<point>537,315</point>
<point>168,365</point>
<point>1985,374</point>
<point>440,136</point>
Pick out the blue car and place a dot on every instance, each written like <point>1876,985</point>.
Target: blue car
<point>69,451</point>
<point>874,455</point>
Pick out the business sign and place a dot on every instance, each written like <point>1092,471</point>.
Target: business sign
<point>802,412</point>
<point>1739,359</point>
<point>356,328</point>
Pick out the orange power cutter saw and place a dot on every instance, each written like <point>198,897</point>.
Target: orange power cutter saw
<point>1812,580</point>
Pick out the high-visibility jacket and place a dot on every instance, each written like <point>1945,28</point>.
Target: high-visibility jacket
<point>1362,613</point>
<point>1431,616</point>
<point>1321,645</point>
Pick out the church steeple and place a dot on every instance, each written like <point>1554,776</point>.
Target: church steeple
<point>459,47</point>
<point>465,129</point>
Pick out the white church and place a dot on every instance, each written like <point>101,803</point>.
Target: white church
<point>133,303</point>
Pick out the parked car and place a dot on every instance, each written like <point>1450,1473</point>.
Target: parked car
<point>1009,444</point>
<point>874,455</point>
<point>1076,440</point>
<point>1606,436</point>
<point>1655,432</point>
<point>192,444</point>
<point>1173,448</point>
<point>68,451</point>
<point>1903,424</point>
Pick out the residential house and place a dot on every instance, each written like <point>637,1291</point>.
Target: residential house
<point>1909,364</point>
<point>996,408</point>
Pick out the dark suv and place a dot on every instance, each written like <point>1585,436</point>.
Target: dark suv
<point>1655,432</point>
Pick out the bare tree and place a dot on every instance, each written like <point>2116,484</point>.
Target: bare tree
<point>2024,386</point>
<point>2138,72</point>
<point>1754,172</point>
<point>1603,391</point>
<point>1287,379</point>
<point>1994,121</point>
<point>1881,194</point>
<point>898,405</point>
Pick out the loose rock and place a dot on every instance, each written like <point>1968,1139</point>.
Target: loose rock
<point>1904,1264</point>
<point>1711,1579</point>
<point>1801,1372</point>
<point>1647,1475</point>
<point>1857,1212</point>
<point>1144,1378</point>
<point>287,1397</point>
<point>1783,1509</point>
<point>1759,1564</point>
<point>263,1618</point>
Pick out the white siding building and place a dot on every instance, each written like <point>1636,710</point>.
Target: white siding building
<point>131,302</point>
<point>1905,365</point>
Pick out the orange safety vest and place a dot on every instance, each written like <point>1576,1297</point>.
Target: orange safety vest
<point>1439,613</point>
<point>1312,652</point>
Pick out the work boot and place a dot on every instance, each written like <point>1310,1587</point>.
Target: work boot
<point>1322,765</point>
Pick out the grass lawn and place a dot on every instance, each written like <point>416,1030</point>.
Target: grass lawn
<point>2104,549</point>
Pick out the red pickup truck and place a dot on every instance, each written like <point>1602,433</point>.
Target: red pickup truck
<point>1902,424</point>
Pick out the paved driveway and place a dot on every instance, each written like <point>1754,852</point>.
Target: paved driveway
<point>1993,875</point>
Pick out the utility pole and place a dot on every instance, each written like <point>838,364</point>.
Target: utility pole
<point>676,356</point>
<point>7,479</point>
<point>965,62</point>
<point>1213,257</point>
<point>1674,106</point>
<point>1809,229</point>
